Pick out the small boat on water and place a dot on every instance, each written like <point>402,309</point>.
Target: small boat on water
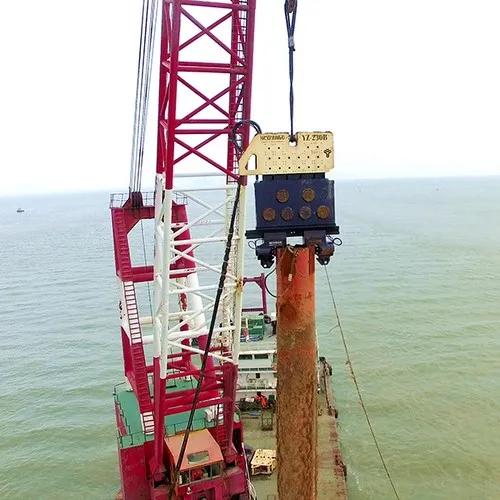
<point>20,210</point>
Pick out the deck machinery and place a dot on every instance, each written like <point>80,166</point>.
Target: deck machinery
<point>178,434</point>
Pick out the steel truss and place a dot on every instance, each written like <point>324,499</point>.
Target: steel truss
<point>205,89</point>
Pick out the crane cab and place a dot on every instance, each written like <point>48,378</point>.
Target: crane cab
<point>201,469</point>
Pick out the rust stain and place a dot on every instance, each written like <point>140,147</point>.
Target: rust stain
<point>297,377</point>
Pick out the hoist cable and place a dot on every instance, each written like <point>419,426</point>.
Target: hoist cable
<point>290,16</point>
<point>143,103</point>
<point>148,69</point>
<point>144,68</point>
<point>218,297</point>
<point>358,390</point>
<point>138,96</point>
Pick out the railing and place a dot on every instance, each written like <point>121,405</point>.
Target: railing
<point>173,429</point>
<point>134,439</point>
<point>259,385</point>
<point>117,200</point>
<point>256,370</point>
<point>258,346</point>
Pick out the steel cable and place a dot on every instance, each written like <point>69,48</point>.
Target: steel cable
<point>144,69</point>
<point>360,397</point>
<point>290,16</point>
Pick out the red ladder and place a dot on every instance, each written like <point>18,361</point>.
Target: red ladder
<point>130,308</point>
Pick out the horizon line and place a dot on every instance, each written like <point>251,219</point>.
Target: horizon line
<point>117,190</point>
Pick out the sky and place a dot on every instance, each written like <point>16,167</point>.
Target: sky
<point>409,88</point>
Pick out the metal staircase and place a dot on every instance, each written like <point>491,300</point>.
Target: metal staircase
<point>139,379</point>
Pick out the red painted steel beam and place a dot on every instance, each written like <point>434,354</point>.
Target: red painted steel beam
<point>237,62</point>
<point>203,404</point>
<point>142,274</point>
<point>187,399</point>
<point>261,281</point>
<point>181,355</point>
<point>297,411</point>
<point>234,5</point>
<point>193,372</point>
<point>179,137</point>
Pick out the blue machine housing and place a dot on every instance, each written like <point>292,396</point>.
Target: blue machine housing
<point>265,197</point>
<point>276,219</point>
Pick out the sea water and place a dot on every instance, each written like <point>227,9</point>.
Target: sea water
<point>417,285</point>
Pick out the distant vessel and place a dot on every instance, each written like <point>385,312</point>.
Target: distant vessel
<point>20,210</point>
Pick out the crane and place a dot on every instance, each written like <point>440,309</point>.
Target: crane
<point>184,372</point>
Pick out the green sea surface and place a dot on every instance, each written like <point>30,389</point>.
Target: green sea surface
<point>417,284</point>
